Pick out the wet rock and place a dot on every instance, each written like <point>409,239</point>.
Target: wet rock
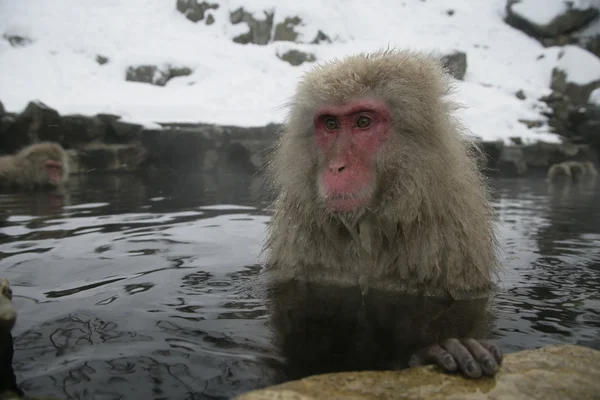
<point>455,64</point>
<point>296,57</point>
<point>550,373</point>
<point>101,157</point>
<point>117,131</point>
<point>259,31</point>
<point>37,122</point>
<point>194,10</point>
<point>522,15</point>
<point>511,162</point>
<point>284,31</point>
<point>79,130</point>
<point>321,37</point>
<point>17,40</point>
<point>101,59</point>
<point>155,75</point>
<point>491,151</point>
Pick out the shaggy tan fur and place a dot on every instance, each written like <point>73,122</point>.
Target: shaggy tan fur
<point>430,228</point>
<point>572,171</point>
<point>27,168</point>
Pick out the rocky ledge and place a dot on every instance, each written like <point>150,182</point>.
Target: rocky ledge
<point>553,372</point>
<point>105,143</point>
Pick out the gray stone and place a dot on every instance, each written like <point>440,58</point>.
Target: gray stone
<point>194,10</point>
<point>550,373</point>
<point>100,59</point>
<point>579,94</point>
<point>210,19</point>
<point>37,122</point>
<point>79,130</point>
<point>520,95</point>
<point>101,157</point>
<point>296,57</point>
<point>455,64</point>
<point>511,162</point>
<point>571,20</point>
<point>321,37</point>
<point>284,31</point>
<point>154,75</point>
<point>259,31</point>
<point>17,40</point>
<point>2,111</point>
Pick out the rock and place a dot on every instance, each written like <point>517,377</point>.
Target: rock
<point>587,125</point>
<point>259,31</point>
<point>321,37</point>
<point>2,111</point>
<point>210,19</point>
<point>284,31</point>
<point>549,373</point>
<point>37,122</point>
<point>532,123</point>
<point>101,157</point>
<point>195,11</point>
<point>296,57</point>
<point>455,64</point>
<point>511,162</point>
<point>450,12</point>
<point>154,75</point>
<point>520,95</point>
<point>101,59</point>
<point>79,130</point>
<point>578,93</point>
<point>17,40</point>
<point>526,16</point>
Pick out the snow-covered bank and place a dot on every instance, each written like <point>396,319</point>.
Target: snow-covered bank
<point>245,85</point>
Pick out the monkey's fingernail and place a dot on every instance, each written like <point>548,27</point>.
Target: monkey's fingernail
<point>471,367</point>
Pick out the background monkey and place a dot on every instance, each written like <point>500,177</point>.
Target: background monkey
<point>38,165</point>
<point>377,188</point>
<point>8,316</point>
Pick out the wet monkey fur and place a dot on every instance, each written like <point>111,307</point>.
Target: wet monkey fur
<point>43,164</point>
<point>376,186</point>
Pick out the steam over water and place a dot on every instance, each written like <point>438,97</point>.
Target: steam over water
<point>128,288</point>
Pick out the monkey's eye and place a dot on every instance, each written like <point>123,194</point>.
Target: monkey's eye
<point>363,122</point>
<point>331,124</point>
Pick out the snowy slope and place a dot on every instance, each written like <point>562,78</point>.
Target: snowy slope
<point>246,84</point>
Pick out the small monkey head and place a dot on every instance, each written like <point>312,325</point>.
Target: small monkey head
<point>361,129</point>
<point>44,164</point>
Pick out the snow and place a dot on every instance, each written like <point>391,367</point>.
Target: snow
<point>247,85</point>
<point>543,12</point>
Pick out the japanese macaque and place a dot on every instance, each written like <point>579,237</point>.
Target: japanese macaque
<point>571,171</point>
<point>8,316</point>
<point>43,164</point>
<point>377,188</point>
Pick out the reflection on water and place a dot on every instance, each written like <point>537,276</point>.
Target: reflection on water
<point>127,285</point>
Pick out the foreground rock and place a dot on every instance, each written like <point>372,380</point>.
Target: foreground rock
<point>554,372</point>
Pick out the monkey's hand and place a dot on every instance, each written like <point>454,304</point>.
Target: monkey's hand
<point>471,357</point>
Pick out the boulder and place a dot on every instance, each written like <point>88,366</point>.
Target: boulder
<point>549,373</point>
<point>284,31</point>
<point>155,75</point>
<point>194,10</point>
<point>511,162</point>
<point>79,130</point>
<point>455,64</point>
<point>37,122</point>
<point>17,40</point>
<point>554,18</point>
<point>259,31</point>
<point>577,73</point>
<point>296,57</point>
<point>321,37</point>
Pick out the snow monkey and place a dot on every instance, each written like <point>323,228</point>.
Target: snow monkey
<point>8,317</point>
<point>377,188</point>
<point>43,164</point>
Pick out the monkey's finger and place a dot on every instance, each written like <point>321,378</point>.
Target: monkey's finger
<point>489,346</point>
<point>434,354</point>
<point>464,359</point>
<point>482,355</point>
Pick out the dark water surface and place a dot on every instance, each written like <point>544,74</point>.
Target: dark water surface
<point>128,289</point>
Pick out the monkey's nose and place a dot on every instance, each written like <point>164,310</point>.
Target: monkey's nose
<point>337,166</point>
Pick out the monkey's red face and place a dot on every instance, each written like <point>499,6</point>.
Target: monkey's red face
<point>54,169</point>
<point>349,137</point>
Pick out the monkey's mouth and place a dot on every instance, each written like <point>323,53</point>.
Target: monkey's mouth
<point>343,202</point>
<point>54,169</point>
